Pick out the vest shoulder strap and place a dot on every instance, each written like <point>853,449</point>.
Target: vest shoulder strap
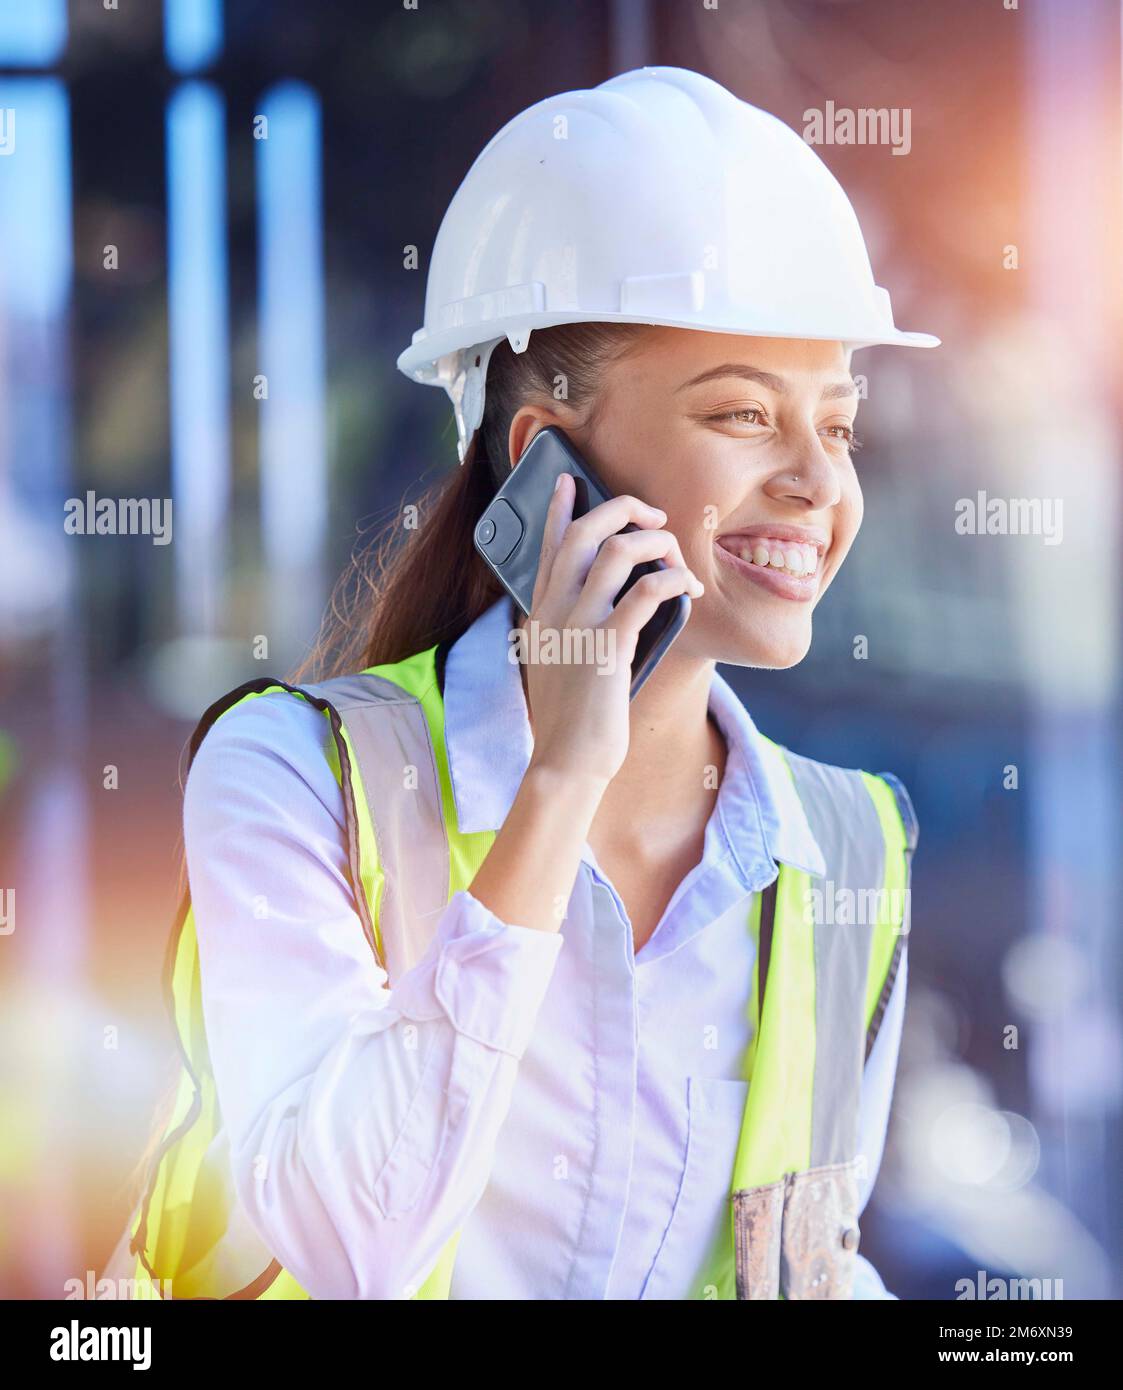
<point>867,829</point>
<point>400,762</point>
<point>905,809</point>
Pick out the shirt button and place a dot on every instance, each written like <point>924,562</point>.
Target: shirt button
<point>850,1238</point>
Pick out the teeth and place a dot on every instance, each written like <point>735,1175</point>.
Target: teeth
<point>795,558</point>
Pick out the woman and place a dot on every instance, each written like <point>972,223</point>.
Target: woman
<point>495,985</point>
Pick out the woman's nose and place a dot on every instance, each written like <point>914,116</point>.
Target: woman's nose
<point>806,474</point>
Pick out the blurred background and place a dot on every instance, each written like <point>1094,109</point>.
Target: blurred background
<point>156,260</point>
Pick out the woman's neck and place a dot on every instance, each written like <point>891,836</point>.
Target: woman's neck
<point>676,755</point>
<point>650,827</point>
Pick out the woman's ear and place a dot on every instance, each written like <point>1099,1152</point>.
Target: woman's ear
<point>527,421</point>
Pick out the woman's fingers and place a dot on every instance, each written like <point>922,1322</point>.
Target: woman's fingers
<point>581,721</point>
<point>582,539</point>
<point>558,516</point>
<point>616,559</point>
<point>638,605</point>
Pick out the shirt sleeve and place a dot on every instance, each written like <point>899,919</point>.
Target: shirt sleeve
<point>362,1118</point>
<point>873,1120</point>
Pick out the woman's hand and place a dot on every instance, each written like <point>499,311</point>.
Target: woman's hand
<point>580,709</point>
<point>579,717</point>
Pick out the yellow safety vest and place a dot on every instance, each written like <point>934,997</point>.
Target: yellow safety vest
<point>827,956</point>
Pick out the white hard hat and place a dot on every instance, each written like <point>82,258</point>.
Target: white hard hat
<point>657,197</point>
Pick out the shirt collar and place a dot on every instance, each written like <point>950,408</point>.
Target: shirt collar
<point>756,763</point>
<point>487,733</point>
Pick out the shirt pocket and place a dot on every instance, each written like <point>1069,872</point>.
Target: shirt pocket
<point>695,1257</point>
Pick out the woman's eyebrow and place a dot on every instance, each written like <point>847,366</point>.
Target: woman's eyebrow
<point>835,391</point>
<point>773,383</point>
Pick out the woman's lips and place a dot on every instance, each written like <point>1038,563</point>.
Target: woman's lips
<point>782,581</point>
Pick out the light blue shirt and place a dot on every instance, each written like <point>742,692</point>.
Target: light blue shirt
<point>573,1107</point>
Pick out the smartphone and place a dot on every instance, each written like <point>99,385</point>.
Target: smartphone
<point>509,537</point>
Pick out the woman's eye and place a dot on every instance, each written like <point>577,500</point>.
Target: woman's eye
<point>846,434</point>
<point>739,417</point>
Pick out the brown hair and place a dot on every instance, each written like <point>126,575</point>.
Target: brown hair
<point>405,591</point>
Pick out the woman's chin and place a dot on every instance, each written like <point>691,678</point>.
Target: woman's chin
<point>767,650</point>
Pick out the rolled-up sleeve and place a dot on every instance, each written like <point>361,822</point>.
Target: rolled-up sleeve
<point>487,977</point>
<point>362,1118</point>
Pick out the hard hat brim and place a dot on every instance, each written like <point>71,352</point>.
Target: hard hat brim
<point>419,360</point>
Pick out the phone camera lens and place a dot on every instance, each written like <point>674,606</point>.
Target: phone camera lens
<point>486,532</point>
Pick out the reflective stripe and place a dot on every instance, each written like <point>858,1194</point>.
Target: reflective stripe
<point>845,823</point>
<point>388,732</point>
<point>394,718</point>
